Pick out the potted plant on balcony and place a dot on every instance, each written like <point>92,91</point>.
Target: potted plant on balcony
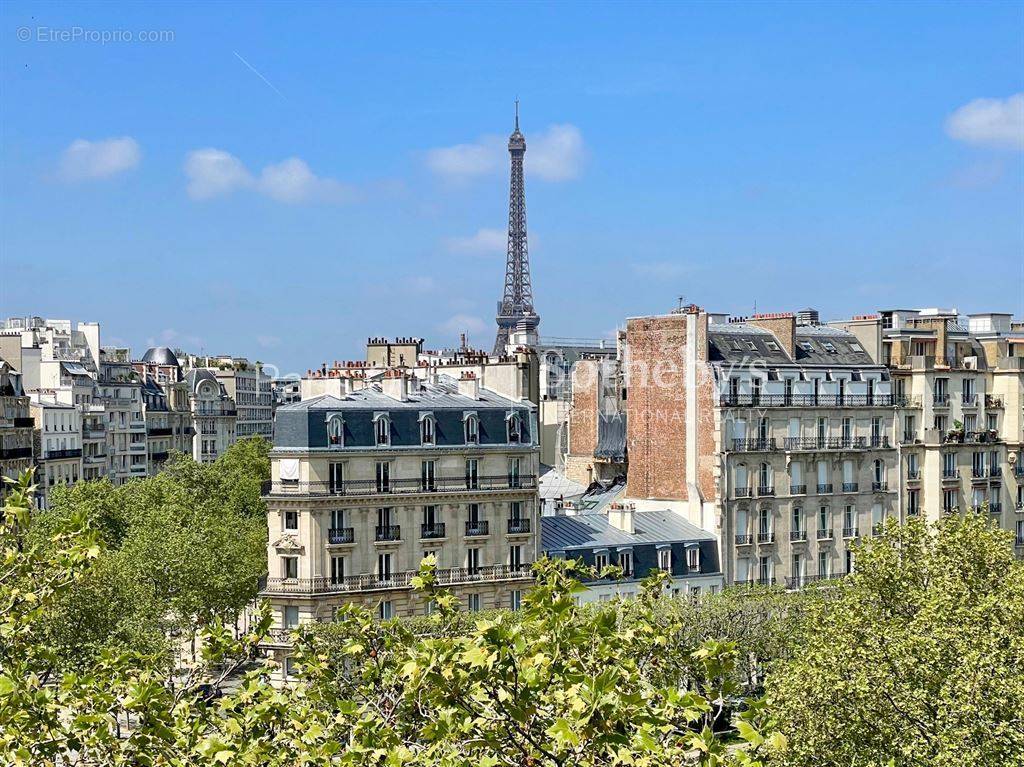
<point>956,434</point>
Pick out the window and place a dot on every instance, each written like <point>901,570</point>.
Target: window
<point>291,617</point>
<point>383,477</point>
<point>382,429</point>
<point>472,474</point>
<point>513,472</point>
<point>385,611</point>
<point>474,513</point>
<point>336,430</point>
<point>824,562</point>
<point>877,518</point>
<point>913,502</point>
<point>473,603</point>
<point>384,565</point>
<point>515,556</point>
<point>291,520</point>
<point>878,473</point>
<point>764,569</point>
<point>665,560</point>
<point>429,516</point>
<point>427,475</point>
<point>764,522</point>
<point>473,560</point>
<point>949,499</point>
<point>472,429</point>
<point>822,429</point>
<point>798,517</point>
<point>515,599</point>
<point>693,559</point>
<point>600,561</point>
<point>427,430</point>
<point>948,465</point>
<point>847,426</point>
<point>514,428</point>
<point>290,567</point>
<point>626,562</point>
<point>290,667</point>
<point>824,522</point>
<point>337,569</point>
<point>764,481</point>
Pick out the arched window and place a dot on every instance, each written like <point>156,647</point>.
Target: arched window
<point>335,430</point>
<point>472,429</point>
<point>515,428</point>
<point>382,429</point>
<point>427,430</point>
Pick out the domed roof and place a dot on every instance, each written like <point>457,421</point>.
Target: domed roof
<point>160,355</point>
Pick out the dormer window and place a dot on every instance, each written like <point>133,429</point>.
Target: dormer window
<point>472,429</point>
<point>427,430</point>
<point>515,428</point>
<point>335,430</point>
<point>382,429</point>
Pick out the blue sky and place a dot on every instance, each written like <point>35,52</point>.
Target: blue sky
<point>282,181</point>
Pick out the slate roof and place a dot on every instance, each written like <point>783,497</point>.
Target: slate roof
<point>815,345</point>
<point>443,395</point>
<point>588,531</point>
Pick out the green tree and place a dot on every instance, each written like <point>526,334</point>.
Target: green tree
<point>916,659</point>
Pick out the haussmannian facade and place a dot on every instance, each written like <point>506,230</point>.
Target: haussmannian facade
<point>368,482</point>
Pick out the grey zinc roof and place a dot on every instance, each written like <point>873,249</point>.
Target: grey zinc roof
<point>732,342</point>
<point>587,531</point>
<point>444,394</point>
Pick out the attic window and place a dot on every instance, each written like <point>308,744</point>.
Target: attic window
<point>737,345</point>
<point>752,346</point>
<point>856,347</point>
<point>829,347</point>
<point>772,346</point>
<point>806,346</point>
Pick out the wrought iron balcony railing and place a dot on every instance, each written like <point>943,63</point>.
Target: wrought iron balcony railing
<point>398,580</point>
<point>446,484</point>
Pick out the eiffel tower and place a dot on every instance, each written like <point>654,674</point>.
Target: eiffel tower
<point>515,310</point>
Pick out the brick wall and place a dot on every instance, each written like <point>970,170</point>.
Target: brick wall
<point>656,407</point>
<point>583,414</point>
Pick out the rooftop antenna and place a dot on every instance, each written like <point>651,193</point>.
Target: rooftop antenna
<point>517,114</point>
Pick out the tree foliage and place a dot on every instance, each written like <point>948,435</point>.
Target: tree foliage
<point>179,550</point>
<point>916,659</point>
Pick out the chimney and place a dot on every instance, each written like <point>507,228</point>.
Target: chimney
<point>782,324</point>
<point>469,386</point>
<point>620,515</point>
<point>395,385</point>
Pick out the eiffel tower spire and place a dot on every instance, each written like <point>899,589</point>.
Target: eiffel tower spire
<point>515,310</point>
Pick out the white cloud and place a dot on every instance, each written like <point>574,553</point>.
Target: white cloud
<point>465,161</point>
<point>84,160</point>
<point>997,123</point>
<point>485,242</point>
<point>214,172</point>
<point>460,323</point>
<point>293,181</point>
<point>555,154</point>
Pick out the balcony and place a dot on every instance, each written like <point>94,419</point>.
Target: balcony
<point>744,539</point>
<point>950,475</point>
<point>388,533</point>
<point>159,456</point>
<point>879,487</point>
<point>850,532</point>
<point>805,400</point>
<point>742,492</point>
<point>798,535</point>
<point>433,531</point>
<point>969,400</point>
<point>764,537</point>
<point>12,453</point>
<point>992,402</point>
<point>477,527</point>
<point>765,490</point>
<point>363,487</point>
<point>940,400</point>
<point>519,526</point>
<point>798,489</point>
<point>835,443</point>
<point>56,455</point>
<point>393,581</point>
<point>95,458</point>
<point>799,581</point>
<point>824,535</point>
<point>23,422</point>
<point>995,472</point>
<point>159,431</point>
<point>909,437</point>
<point>995,508</point>
<point>907,401</point>
<point>825,489</point>
<point>210,412</point>
<point>754,445</point>
<point>913,475</point>
<point>137,447</point>
<point>94,434</point>
<point>341,535</point>
<point>850,487</point>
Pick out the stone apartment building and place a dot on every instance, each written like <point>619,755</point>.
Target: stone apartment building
<point>959,382</point>
<point>248,387</point>
<point>58,443</point>
<point>16,426</point>
<point>369,478</point>
<point>119,391</point>
<point>213,415</point>
<point>777,437</point>
<point>166,406</point>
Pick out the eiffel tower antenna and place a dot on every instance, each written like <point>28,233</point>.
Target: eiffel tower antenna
<point>515,310</point>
